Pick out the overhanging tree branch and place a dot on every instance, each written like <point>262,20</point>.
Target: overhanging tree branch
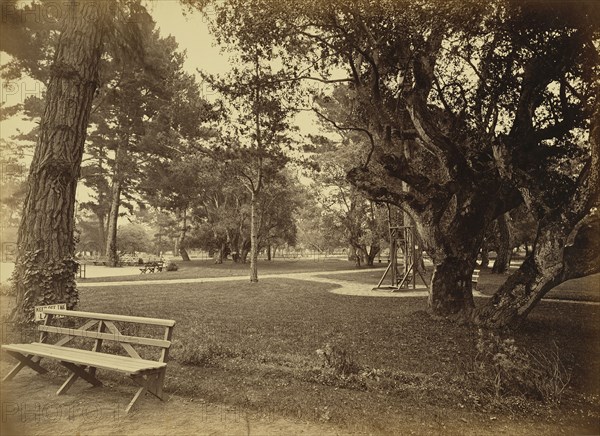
<point>355,129</point>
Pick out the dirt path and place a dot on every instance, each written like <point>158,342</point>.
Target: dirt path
<point>31,407</point>
<point>342,287</point>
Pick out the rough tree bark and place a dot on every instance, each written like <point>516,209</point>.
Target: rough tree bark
<point>113,219</point>
<point>45,266</point>
<point>485,254</point>
<point>503,254</point>
<point>220,254</point>
<point>555,259</point>
<point>253,239</point>
<point>182,233</point>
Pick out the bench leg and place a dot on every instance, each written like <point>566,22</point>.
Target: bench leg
<point>148,382</point>
<point>143,382</point>
<point>67,384</point>
<point>23,362</point>
<point>18,367</point>
<point>160,380</point>
<point>155,385</point>
<point>78,372</point>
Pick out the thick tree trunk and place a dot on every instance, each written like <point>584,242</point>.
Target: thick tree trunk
<point>101,230</point>
<point>451,289</point>
<point>485,255</point>
<point>356,257</point>
<point>555,259</point>
<point>113,220</point>
<point>269,252</point>
<point>220,254</point>
<point>45,268</point>
<point>454,247</point>
<point>503,255</point>
<point>371,255</point>
<point>184,254</point>
<point>253,239</point>
<point>181,239</point>
<point>567,246</point>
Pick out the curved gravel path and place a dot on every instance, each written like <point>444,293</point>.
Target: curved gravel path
<point>342,287</point>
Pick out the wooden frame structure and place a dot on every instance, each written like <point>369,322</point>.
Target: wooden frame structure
<point>401,279</point>
<point>149,375</point>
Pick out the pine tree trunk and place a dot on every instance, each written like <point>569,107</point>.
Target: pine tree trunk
<point>503,255</point>
<point>101,230</point>
<point>45,267</point>
<point>253,240</point>
<point>182,232</point>
<point>113,218</point>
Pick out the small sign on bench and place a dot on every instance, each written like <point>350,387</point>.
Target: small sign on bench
<point>39,310</point>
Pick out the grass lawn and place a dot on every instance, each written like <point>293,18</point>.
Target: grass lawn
<point>391,366</point>
<point>584,289</point>
<point>207,268</point>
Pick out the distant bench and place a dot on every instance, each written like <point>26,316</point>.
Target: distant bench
<point>100,262</point>
<point>151,267</point>
<point>149,375</point>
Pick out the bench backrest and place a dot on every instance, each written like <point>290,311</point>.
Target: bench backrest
<point>107,330</point>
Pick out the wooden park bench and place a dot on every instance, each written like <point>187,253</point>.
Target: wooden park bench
<point>149,375</point>
<point>102,262</point>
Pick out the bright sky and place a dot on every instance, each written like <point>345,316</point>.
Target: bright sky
<point>190,29</point>
<point>191,32</point>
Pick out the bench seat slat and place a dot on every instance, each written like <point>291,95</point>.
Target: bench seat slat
<point>67,352</point>
<point>112,317</point>
<point>85,357</point>
<point>69,356</point>
<point>108,336</point>
<point>122,361</point>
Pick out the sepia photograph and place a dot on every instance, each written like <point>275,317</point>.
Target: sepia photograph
<point>299,217</point>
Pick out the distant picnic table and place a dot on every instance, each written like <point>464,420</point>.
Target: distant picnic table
<point>151,267</point>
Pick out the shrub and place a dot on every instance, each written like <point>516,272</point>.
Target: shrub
<point>553,377</point>
<point>505,369</point>
<point>172,266</point>
<point>338,360</point>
